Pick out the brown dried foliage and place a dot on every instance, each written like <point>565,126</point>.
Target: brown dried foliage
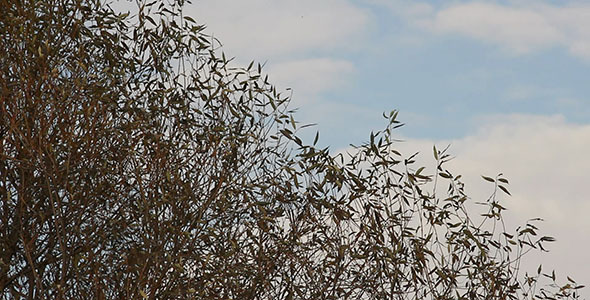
<point>137,163</point>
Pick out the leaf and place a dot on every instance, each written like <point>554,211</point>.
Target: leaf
<point>143,294</point>
<point>151,20</point>
<point>529,231</point>
<point>419,171</point>
<point>504,190</point>
<point>488,178</point>
<point>444,175</point>
<point>435,152</point>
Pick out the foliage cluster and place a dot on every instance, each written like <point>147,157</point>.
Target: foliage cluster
<point>136,162</point>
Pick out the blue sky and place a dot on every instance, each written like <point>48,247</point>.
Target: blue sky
<point>504,82</point>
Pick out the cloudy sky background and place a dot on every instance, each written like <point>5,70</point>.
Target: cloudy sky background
<point>504,82</point>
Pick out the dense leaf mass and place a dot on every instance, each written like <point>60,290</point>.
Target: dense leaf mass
<point>136,161</point>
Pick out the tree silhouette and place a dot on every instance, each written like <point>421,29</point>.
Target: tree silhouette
<point>138,162</point>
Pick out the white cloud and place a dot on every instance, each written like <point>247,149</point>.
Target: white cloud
<point>546,160</point>
<point>308,77</point>
<point>544,156</point>
<point>295,38</point>
<point>518,28</point>
<point>263,29</point>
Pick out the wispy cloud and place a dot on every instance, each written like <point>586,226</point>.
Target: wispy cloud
<point>546,160</point>
<point>296,39</point>
<point>265,29</point>
<point>310,76</point>
<point>517,28</point>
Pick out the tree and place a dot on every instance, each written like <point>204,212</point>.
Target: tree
<point>136,162</point>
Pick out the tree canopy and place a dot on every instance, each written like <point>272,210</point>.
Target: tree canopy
<point>138,162</point>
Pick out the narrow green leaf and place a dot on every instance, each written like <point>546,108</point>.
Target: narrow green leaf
<point>488,179</point>
<point>435,152</point>
<point>444,175</point>
<point>504,190</point>
<point>419,171</point>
